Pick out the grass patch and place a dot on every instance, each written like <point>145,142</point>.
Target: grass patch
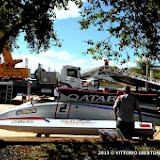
<point>91,151</point>
<point>106,83</point>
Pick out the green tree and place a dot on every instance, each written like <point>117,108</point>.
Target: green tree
<point>135,23</point>
<point>141,66</point>
<point>33,17</point>
<point>156,74</point>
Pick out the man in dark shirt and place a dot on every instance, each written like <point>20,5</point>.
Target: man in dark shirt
<point>124,108</point>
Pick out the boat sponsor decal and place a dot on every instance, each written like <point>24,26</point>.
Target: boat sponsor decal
<point>78,122</point>
<point>27,111</point>
<point>145,125</point>
<point>91,98</point>
<point>22,121</point>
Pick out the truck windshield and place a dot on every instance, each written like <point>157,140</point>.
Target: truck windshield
<point>72,73</point>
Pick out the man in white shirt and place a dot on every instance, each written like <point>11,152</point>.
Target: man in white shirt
<point>56,92</point>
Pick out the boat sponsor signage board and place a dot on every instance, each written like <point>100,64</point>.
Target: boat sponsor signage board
<point>91,98</point>
<point>86,96</point>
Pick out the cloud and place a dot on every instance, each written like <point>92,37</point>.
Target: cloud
<point>50,60</point>
<point>63,55</point>
<point>89,63</point>
<point>54,61</point>
<point>72,12</point>
<point>130,64</point>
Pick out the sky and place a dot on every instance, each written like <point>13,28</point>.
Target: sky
<point>67,27</point>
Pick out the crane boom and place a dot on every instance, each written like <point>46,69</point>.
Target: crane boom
<point>7,69</point>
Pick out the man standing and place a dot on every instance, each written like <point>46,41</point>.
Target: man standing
<point>124,108</point>
<point>56,92</point>
<point>106,63</point>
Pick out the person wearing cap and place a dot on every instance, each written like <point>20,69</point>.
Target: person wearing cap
<point>124,108</point>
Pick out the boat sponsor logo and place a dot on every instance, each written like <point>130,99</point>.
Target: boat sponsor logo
<point>19,112</point>
<point>91,98</point>
<point>27,111</point>
<point>22,121</point>
<point>77,122</point>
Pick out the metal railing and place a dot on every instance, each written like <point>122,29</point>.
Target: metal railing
<point>111,70</point>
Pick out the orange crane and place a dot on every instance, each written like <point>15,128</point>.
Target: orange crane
<point>8,70</point>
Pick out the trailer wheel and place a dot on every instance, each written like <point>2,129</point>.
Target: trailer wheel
<point>39,135</point>
<point>143,138</point>
<point>47,135</point>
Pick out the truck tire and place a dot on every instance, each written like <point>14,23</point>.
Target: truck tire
<point>14,95</point>
<point>2,94</point>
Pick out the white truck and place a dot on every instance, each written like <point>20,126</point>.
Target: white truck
<point>45,82</point>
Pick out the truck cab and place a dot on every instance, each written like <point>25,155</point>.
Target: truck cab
<point>70,75</point>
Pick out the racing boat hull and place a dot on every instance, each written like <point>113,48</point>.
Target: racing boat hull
<point>66,126</point>
<point>76,112</point>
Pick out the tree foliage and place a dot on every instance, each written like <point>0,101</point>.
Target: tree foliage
<point>156,74</point>
<point>141,66</point>
<point>33,17</point>
<point>135,23</point>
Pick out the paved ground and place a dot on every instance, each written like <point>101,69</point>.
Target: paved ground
<point>4,133</point>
